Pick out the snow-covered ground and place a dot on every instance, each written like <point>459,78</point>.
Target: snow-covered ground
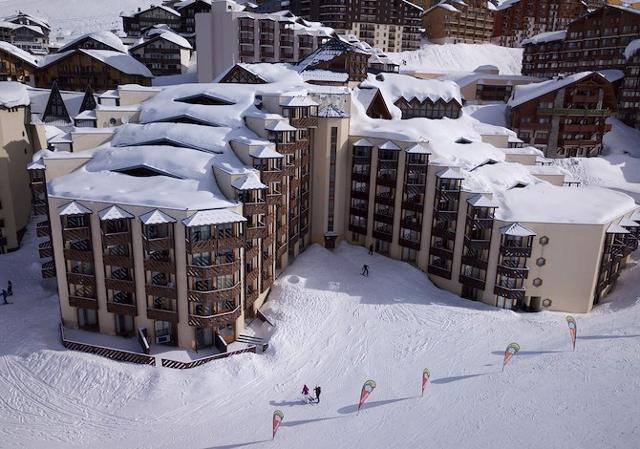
<point>336,329</point>
<point>433,58</point>
<point>74,17</point>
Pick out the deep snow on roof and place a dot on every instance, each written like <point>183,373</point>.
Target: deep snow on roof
<point>632,48</point>
<point>548,36</point>
<point>527,92</point>
<point>13,94</point>
<point>189,182</point>
<point>545,203</point>
<point>394,86</point>
<point>18,53</point>
<point>105,37</point>
<point>168,35</point>
<point>119,61</point>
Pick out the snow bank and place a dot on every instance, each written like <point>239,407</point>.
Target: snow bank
<point>433,58</point>
<point>13,94</point>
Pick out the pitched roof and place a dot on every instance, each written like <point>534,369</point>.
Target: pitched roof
<point>113,213</point>
<point>213,217</point>
<point>156,216</point>
<point>73,208</point>
<point>517,230</point>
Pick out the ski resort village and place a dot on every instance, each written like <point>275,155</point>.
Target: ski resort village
<point>319,224</point>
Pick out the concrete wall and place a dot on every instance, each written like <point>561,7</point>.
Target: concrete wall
<point>16,153</point>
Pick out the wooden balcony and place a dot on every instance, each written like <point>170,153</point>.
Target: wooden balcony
<point>122,309</point>
<point>120,238</point>
<point>267,282</point>
<point>282,250</point>
<point>251,252</point>
<point>472,282</point>
<point>45,250</point>
<point>477,244</point>
<point>359,212</point>
<point>163,291</point>
<point>515,251</point>
<point>385,200</point>
<point>383,218</point>
<point>513,272</point>
<point>83,303</point>
<point>120,285</point>
<point>207,246</point>
<point>409,244</point>
<point>76,233</point>
<point>158,244</point>
<point>215,320</point>
<point>118,261</point>
<point>442,252</point>
<point>445,215</point>
<point>509,293</point>
<point>358,194</point>
<point>358,229</point>
<point>259,232</point>
<point>250,276</point>
<point>475,262</point>
<point>48,270</point>
<point>255,208</point>
<point>250,298</point>
<point>438,271</point>
<point>289,170</point>
<point>271,176</point>
<point>306,122</point>
<point>78,255</point>
<point>212,271</point>
<point>214,296</point>
<point>438,231</point>
<point>40,208</point>
<point>159,266</point>
<point>388,181</point>
<point>275,200</point>
<point>412,224</point>
<point>382,235</point>
<point>37,186</point>
<point>413,206</point>
<point>81,279</point>
<point>43,229</point>
<point>162,315</point>
<point>361,177</point>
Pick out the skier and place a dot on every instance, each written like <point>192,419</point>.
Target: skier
<point>365,270</point>
<point>4,296</point>
<point>371,249</point>
<point>317,390</point>
<point>305,393</point>
<point>9,289</point>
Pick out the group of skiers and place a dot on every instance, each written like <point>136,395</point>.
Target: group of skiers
<point>307,398</point>
<point>6,293</point>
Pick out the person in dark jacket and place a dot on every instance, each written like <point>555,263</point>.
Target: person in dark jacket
<point>4,296</point>
<point>9,289</point>
<point>317,390</point>
<point>371,249</point>
<point>365,270</point>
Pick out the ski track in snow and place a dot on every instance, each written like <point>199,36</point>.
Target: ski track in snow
<point>337,329</point>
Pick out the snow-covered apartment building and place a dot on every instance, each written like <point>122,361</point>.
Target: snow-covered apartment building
<point>180,219</point>
<point>26,32</point>
<point>453,21</point>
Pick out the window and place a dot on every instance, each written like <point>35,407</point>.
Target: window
<point>332,178</point>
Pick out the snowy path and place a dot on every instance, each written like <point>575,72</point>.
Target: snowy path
<point>336,329</point>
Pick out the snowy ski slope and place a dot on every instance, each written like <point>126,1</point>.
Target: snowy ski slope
<point>336,329</point>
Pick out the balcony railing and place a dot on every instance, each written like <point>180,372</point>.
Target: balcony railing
<point>513,272</point>
<point>163,291</point>
<point>162,315</point>
<point>472,282</point>
<point>158,244</point>
<point>439,271</point>
<point>217,319</point>
<point>212,271</point>
<point>82,233</point>
<point>515,251</point>
<point>216,295</point>
<point>122,309</point>
<point>83,303</point>
<point>476,243</point>
<point>510,293</point>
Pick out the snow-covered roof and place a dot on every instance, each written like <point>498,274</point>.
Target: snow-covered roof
<point>524,93</point>
<point>629,223</point>
<point>279,126</point>
<point>325,75</point>
<point>482,200</point>
<point>548,36</point>
<point>517,230</point>
<point>19,53</point>
<point>394,86</point>
<point>167,35</point>
<point>632,48</point>
<point>451,173</point>
<point>213,217</point>
<point>389,145</point>
<point>419,148</point>
<point>73,208</point>
<point>297,101</point>
<point>123,62</point>
<point>541,202</point>
<point>13,94</point>
<point>156,217</point>
<point>104,37</point>
<point>362,143</point>
<point>328,51</point>
<point>615,228</point>
<point>265,152</point>
<point>113,213</point>
<point>248,182</point>
<point>14,26</point>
